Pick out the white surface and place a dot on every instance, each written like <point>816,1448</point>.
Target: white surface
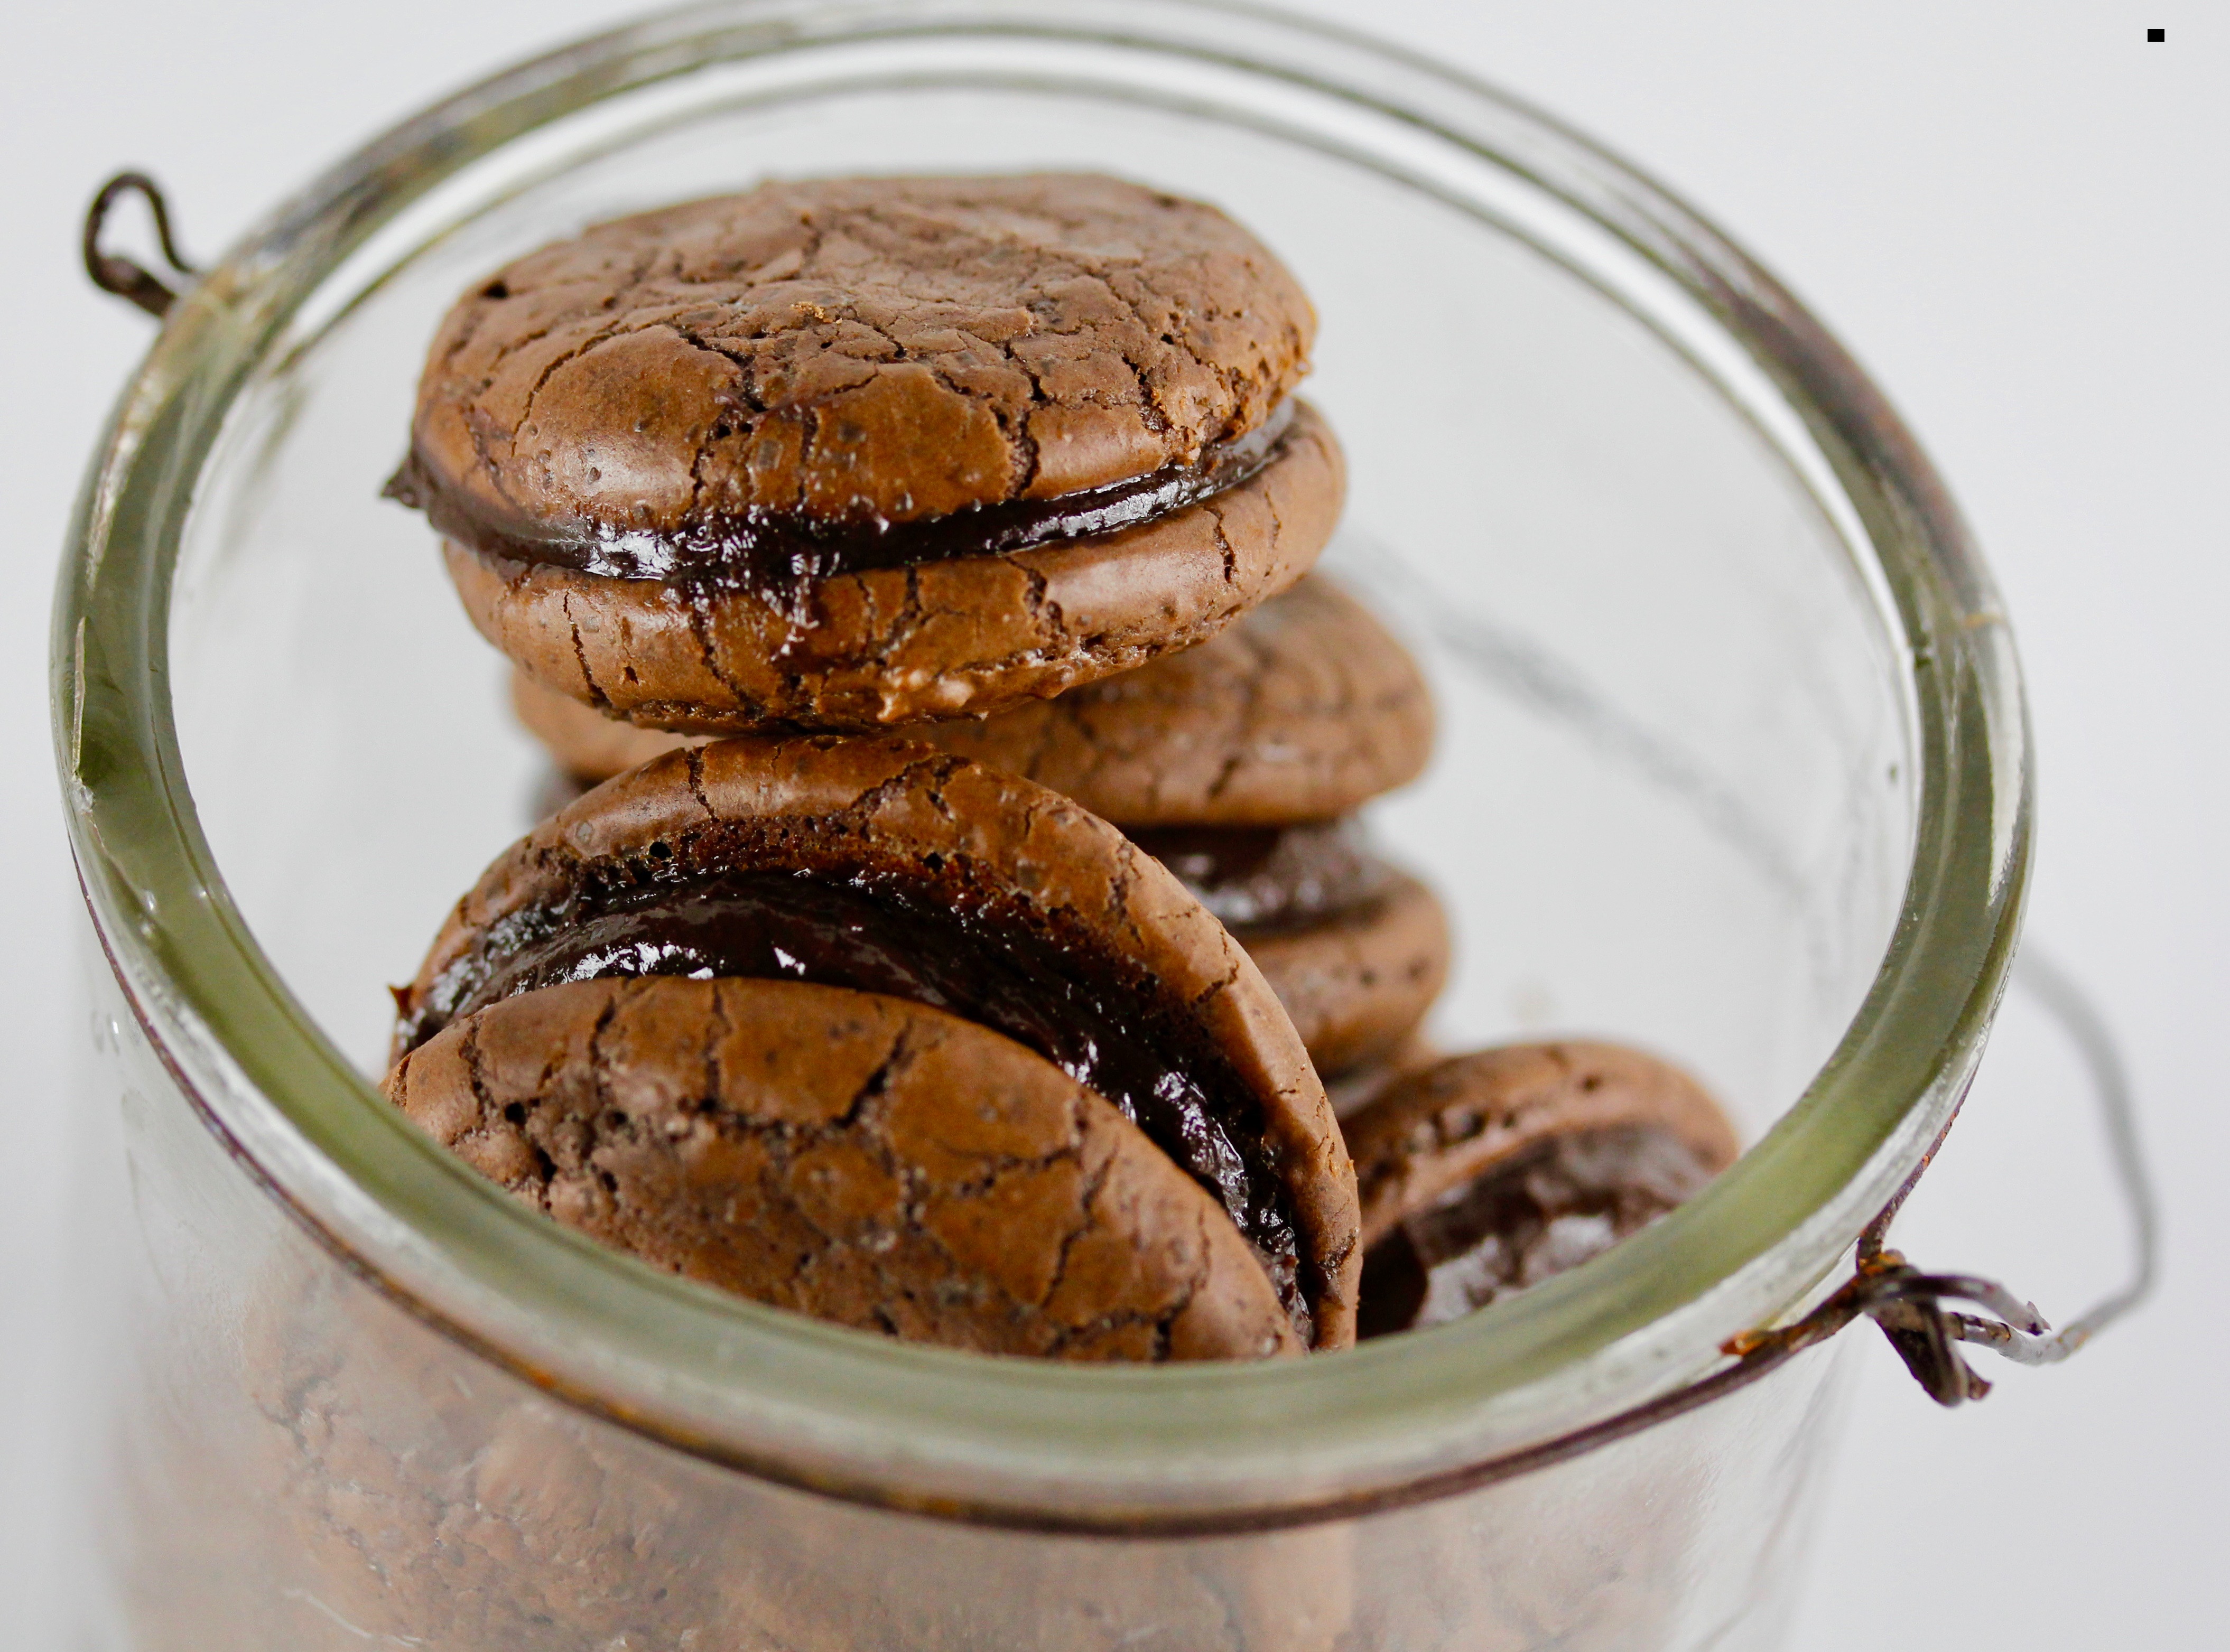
<point>2012,212</point>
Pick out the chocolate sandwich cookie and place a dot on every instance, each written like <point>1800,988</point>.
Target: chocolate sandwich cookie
<point>855,1157</point>
<point>1356,950</point>
<point>1491,1171</point>
<point>888,868</point>
<point>848,453</point>
<point>1304,709</point>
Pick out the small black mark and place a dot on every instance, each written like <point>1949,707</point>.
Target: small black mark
<point>2156,34</point>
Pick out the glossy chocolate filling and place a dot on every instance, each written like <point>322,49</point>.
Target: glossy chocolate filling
<point>1261,880</point>
<point>777,554</point>
<point>1547,1210</point>
<point>1099,1020</point>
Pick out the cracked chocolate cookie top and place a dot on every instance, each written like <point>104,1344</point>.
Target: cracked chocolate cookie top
<point>885,866</point>
<point>876,351</point>
<point>853,1156</point>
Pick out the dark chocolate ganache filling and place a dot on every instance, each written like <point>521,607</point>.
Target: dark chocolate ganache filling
<point>1547,1210</point>
<point>1098,1019</point>
<point>776,555</point>
<point>1259,880</point>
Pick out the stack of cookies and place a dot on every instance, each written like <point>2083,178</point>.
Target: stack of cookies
<point>973,909</point>
<point>1240,765</point>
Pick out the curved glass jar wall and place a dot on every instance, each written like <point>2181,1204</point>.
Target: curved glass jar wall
<point>1733,764</point>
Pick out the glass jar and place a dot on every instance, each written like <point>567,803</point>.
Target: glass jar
<point>1733,764</point>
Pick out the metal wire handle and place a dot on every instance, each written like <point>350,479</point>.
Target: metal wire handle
<point>1909,1306</point>
<point>2062,997</point>
<point>126,278</point>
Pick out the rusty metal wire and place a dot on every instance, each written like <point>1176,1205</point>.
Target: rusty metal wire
<point>1909,1305</point>
<point>111,272</point>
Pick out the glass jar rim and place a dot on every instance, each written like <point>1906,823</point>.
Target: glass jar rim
<point>1015,1440</point>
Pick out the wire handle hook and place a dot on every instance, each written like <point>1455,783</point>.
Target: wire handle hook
<point>1909,1306</point>
<point>126,278</point>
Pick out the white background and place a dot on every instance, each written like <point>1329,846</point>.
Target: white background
<point>2013,212</point>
